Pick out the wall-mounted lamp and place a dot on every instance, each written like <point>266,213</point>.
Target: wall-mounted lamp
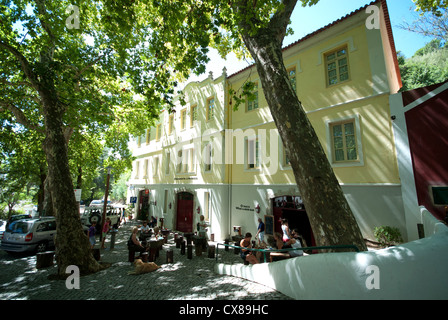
<point>198,209</point>
<point>169,206</point>
<point>257,208</point>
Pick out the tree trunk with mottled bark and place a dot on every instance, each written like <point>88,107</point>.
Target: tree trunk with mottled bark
<point>330,216</point>
<point>72,245</point>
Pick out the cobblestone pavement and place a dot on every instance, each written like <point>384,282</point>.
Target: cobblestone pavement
<point>184,279</point>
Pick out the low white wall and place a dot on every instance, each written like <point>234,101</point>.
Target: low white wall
<point>430,224</point>
<point>415,270</point>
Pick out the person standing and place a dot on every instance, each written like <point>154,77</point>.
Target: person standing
<point>285,229</point>
<point>202,230</point>
<point>106,228</point>
<point>260,231</point>
<point>91,234</point>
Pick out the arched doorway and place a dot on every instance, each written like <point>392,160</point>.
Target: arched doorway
<point>292,208</point>
<point>184,217</point>
<point>143,205</point>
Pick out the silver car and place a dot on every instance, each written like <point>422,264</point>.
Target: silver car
<point>29,235</point>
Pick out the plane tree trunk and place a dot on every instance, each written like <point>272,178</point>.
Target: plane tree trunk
<point>330,216</point>
<point>72,245</point>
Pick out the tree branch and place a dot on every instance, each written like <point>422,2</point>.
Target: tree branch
<point>42,10</point>
<point>280,20</point>
<point>20,116</point>
<point>26,68</point>
<point>80,72</point>
<point>16,84</point>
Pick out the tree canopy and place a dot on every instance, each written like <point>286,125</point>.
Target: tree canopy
<point>429,65</point>
<point>433,6</point>
<point>106,68</point>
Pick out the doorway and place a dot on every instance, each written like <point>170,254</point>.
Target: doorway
<point>184,212</point>
<point>292,208</point>
<point>143,205</point>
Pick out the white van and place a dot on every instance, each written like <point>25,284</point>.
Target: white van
<point>95,214</point>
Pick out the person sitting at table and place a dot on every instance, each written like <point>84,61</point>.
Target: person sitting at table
<point>294,242</point>
<point>134,244</point>
<point>245,254</point>
<point>278,241</point>
<point>145,231</point>
<point>153,222</point>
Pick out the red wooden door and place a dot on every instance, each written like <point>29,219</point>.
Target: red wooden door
<point>184,212</point>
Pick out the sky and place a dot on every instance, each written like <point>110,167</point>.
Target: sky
<point>309,19</point>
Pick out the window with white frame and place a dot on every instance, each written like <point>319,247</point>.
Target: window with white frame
<point>208,157</point>
<point>145,169</point>
<point>286,161</point>
<point>207,206</point>
<point>293,77</point>
<point>183,119</point>
<point>252,101</point>
<point>193,115</point>
<point>337,67</point>
<point>185,161</point>
<point>210,109</point>
<point>252,153</point>
<point>165,202</point>
<point>170,124</point>
<point>137,169</point>
<point>167,163</point>
<point>158,132</point>
<point>155,166</point>
<point>148,135</point>
<point>140,139</point>
<point>344,141</point>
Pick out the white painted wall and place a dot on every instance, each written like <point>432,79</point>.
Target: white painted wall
<point>377,205</point>
<point>219,205</point>
<point>373,205</point>
<point>415,270</point>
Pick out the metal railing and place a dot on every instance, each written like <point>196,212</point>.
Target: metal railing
<point>264,251</point>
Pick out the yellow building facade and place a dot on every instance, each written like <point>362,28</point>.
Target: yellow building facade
<point>230,166</point>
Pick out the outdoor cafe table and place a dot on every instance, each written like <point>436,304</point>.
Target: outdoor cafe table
<point>165,233</point>
<point>154,247</point>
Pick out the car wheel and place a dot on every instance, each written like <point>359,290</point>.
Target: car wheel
<point>95,217</point>
<point>42,247</point>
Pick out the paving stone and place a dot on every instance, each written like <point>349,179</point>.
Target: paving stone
<point>185,279</point>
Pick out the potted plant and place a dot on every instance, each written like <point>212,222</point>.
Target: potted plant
<point>387,236</point>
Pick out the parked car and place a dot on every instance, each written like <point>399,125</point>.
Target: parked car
<point>29,235</point>
<point>16,217</point>
<point>95,214</point>
<point>98,203</point>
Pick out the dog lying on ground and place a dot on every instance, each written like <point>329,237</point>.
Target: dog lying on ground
<point>144,267</point>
